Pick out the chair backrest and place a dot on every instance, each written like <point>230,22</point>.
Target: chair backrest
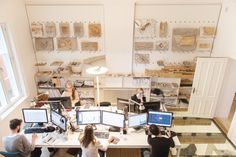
<point>10,154</point>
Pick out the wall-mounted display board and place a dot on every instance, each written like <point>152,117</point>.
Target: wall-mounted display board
<point>67,34</point>
<point>173,34</point>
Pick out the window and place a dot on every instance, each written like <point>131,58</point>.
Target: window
<point>10,90</point>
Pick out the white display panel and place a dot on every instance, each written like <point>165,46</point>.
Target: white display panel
<point>88,117</point>
<point>35,115</point>
<point>113,119</point>
<point>58,120</point>
<point>137,120</point>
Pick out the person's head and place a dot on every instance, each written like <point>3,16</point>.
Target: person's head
<point>140,92</point>
<point>15,125</point>
<point>154,129</point>
<point>70,88</point>
<point>88,136</point>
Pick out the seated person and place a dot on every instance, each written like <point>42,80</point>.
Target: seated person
<point>17,142</point>
<point>160,144</point>
<point>90,145</point>
<point>139,98</point>
<point>72,93</point>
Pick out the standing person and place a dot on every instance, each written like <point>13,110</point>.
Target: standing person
<point>72,93</point>
<point>17,142</point>
<point>139,98</point>
<point>90,145</point>
<point>160,144</point>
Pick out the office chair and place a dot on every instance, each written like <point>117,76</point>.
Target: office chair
<point>10,154</point>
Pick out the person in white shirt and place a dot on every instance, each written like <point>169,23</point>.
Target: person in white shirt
<point>90,145</point>
<point>72,93</point>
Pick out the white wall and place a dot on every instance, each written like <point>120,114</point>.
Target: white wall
<point>225,46</point>
<point>12,12</point>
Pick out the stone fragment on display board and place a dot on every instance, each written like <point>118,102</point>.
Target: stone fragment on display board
<point>64,29</point>
<point>37,29</point>
<point>163,32</point>
<point>50,29</point>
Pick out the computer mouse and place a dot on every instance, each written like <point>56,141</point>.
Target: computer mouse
<point>50,129</point>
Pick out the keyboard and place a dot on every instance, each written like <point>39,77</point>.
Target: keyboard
<point>34,130</point>
<point>104,135</point>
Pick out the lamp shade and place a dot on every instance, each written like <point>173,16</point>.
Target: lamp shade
<point>97,70</point>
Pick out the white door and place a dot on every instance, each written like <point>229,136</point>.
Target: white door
<point>207,82</point>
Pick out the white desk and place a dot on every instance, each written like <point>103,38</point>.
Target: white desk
<point>133,139</point>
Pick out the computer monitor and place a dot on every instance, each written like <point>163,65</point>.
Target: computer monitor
<point>152,105</point>
<point>56,106</point>
<point>160,118</point>
<point>113,119</point>
<point>59,120</point>
<point>65,101</point>
<point>85,117</point>
<point>137,120</point>
<point>35,115</point>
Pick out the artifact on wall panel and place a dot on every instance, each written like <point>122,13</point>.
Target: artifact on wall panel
<point>95,30</point>
<point>184,39</point>
<point>142,58</point>
<point>66,43</point>
<point>50,29</point>
<point>37,29</point>
<point>44,44</point>
<point>207,31</point>
<point>144,27</point>
<point>79,29</point>
<point>162,45</point>
<point>163,29</point>
<point>89,46</point>
<point>204,45</point>
<point>64,29</point>
<point>145,46</point>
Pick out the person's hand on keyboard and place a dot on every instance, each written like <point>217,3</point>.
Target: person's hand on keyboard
<point>34,137</point>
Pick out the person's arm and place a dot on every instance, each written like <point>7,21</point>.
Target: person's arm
<point>25,146</point>
<point>144,99</point>
<point>102,146</point>
<point>149,139</point>
<point>172,143</point>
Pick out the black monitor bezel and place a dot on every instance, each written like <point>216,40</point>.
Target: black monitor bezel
<point>61,99</point>
<point>158,124</point>
<point>113,113</point>
<point>136,116</point>
<point>34,109</point>
<point>88,111</point>
<point>61,116</point>
<point>149,104</point>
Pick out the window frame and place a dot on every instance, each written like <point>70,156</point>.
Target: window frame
<point>11,52</point>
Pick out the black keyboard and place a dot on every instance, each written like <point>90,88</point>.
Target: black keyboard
<point>34,130</point>
<point>171,132</point>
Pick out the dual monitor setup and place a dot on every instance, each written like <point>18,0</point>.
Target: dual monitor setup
<point>84,117</point>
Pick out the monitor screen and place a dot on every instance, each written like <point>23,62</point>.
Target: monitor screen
<point>113,119</point>
<point>88,117</point>
<point>35,115</point>
<point>152,105</point>
<point>137,120</point>
<point>160,118</point>
<point>56,106</point>
<point>65,101</point>
<point>59,120</point>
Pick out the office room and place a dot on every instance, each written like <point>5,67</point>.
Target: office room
<point>117,78</point>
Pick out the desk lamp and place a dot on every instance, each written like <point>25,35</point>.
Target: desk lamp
<point>97,70</point>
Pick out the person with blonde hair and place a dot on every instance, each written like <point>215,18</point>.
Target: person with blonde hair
<point>71,91</point>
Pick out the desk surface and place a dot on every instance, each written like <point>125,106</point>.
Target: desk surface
<point>133,138</point>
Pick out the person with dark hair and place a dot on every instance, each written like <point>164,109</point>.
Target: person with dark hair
<point>160,144</point>
<point>72,93</point>
<point>17,142</point>
<point>90,145</point>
